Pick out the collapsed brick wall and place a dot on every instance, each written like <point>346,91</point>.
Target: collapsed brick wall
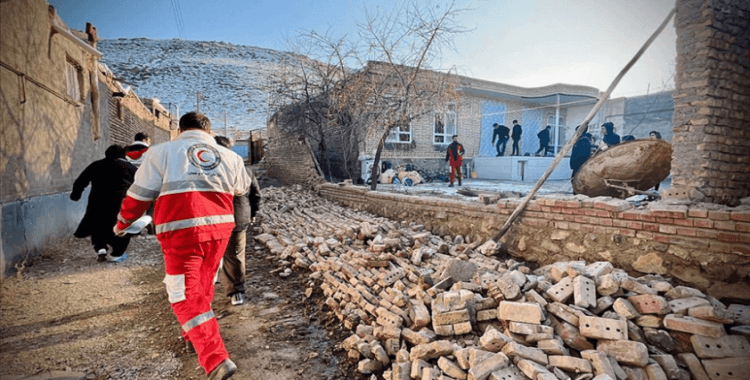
<point>288,158</point>
<point>702,246</point>
<point>711,145</point>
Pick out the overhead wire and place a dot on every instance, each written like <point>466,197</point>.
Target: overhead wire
<point>182,18</point>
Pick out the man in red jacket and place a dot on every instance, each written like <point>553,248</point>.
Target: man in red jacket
<point>193,181</point>
<point>455,156</point>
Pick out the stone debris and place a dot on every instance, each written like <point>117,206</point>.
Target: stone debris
<point>429,307</point>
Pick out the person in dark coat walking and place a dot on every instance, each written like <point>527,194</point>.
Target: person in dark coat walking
<point>516,135</point>
<point>610,138</point>
<point>110,179</point>
<point>245,208</point>
<point>544,140</point>
<point>581,151</point>
<point>501,133</point>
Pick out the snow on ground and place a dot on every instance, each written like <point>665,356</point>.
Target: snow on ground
<point>480,185</point>
<point>550,187</point>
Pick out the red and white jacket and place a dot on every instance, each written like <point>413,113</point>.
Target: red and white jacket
<point>134,153</point>
<point>193,181</point>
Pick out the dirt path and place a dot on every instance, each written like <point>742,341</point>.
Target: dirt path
<point>68,312</point>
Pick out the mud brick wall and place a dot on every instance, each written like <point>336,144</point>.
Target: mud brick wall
<point>128,116</point>
<point>712,97</point>
<point>289,159</point>
<point>706,247</point>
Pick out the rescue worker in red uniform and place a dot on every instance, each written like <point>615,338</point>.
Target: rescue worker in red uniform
<point>193,181</point>
<point>455,156</point>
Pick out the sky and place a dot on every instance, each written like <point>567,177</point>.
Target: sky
<point>527,43</point>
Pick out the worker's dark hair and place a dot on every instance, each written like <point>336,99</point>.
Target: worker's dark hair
<point>195,120</point>
<point>548,127</point>
<point>115,151</point>
<point>495,124</point>
<point>223,141</point>
<point>140,136</point>
<point>656,134</point>
<point>454,136</point>
<point>515,121</point>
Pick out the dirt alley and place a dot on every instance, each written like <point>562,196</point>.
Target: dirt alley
<point>68,316</point>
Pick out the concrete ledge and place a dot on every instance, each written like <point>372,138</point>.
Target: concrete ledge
<point>520,168</point>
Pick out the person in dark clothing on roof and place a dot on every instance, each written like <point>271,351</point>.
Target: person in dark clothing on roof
<point>110,179</point>
<point>135,151</point>
<point>501,133</point>
<point>581,151</point>
<point>609,136</point>
<point>544,140</point>
<point>516,135</point>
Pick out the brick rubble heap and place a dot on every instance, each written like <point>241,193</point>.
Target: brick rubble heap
<point>428,307</point>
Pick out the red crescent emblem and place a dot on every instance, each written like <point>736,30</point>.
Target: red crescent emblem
<point>200,156</point>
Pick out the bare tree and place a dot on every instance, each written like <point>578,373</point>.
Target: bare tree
<point>395,85</point>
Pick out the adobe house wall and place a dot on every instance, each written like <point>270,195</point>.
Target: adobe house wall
<point>48,137</point>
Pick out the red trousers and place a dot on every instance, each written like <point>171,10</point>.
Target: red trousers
<point>190,285</point>
<point>455,170</point>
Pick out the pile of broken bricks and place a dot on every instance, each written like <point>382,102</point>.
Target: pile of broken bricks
<point>428,307</point>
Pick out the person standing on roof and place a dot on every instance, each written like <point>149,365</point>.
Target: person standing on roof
<point>581,151</point>
<point>193,181</point>
<point>135,151</point>
<point>245,208</point>
<point>516,135</point>
<point>454,155</point>
<point>544,139</point>
<point>110,179</point>
<point>501,133</point>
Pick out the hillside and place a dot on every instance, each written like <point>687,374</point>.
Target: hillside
<point>229,77</point>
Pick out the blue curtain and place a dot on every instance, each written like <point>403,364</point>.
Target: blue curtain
<point>532,124</point>
<point>492,112</point>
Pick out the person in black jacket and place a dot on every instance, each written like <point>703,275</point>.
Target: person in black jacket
<point>501,133</point>
<point>544,140</point>
<point>110,179</point>
<point>516,135</point>
<point>245,208</point>
<point>609,136</point>
<point>581,151</point>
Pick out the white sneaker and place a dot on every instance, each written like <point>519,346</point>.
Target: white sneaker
<point>102,255</point>
<point>237,299</point>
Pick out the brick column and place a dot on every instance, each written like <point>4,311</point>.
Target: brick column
<point>711,121</point>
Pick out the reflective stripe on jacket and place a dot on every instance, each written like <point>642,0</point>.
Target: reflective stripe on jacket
<point>193,181</point>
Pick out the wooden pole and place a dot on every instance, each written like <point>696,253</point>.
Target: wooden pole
<point>580,130</point>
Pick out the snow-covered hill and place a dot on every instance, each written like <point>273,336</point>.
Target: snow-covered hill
<point>229,77</point>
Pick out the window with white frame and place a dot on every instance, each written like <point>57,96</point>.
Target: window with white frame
<point>551,120</point>
<point>401,133</point>
<point>444,125</point>
<point>73,78</point>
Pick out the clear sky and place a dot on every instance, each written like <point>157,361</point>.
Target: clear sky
<point>527,43</point>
